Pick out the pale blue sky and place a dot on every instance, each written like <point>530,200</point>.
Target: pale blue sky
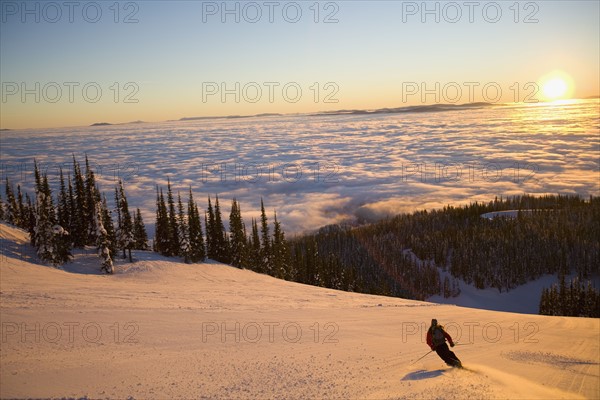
<point>368,54</point>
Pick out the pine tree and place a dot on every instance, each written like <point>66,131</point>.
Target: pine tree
<point>102,241</point>
<point>71,207</point>
<point>563,299</point>
<point>125,225</point>
<point>62,239</point>
<point>266,254</point>
<point>255,249</point>
<point>34,217</point>
<point>173,235</point>
<point>64,211</point>
<point>157,227</point>
<point>222,243</point>
<point>161,237</point>
<point>280,253</point>
<point>211,241</point>
<point>52,246</point>
<point>1,209</point>
<point>206,231</point>
<point>119,218</point>
<point>197,251</point>
<point>30,219</point>
<point>140,236</point>
<point>183,227</point>
<point>238,236</point>
<point>92,197</point>
<point>22,214</point>
<point>80,210</point>
<point>109,226</point>
<point>12,211</point>
<point>63,245</point>
<point>543,308</point>
<point>44,219</point>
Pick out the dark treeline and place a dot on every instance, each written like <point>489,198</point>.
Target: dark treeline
<point>369,259</point>
<point>179,232</point>
<point>78,217</point>
<point>549,235</point>
<point>575,299</point>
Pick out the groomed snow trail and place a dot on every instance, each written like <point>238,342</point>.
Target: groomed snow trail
<point>162,329</point>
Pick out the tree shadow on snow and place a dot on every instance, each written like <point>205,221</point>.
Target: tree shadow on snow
<point>422,374</point>
<point>10,248</point>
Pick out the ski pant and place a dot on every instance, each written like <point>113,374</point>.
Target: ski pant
<point>445,354</point>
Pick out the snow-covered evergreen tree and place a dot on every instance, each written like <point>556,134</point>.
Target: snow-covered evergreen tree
<point>92,197</point>
<point>21,212</point>
<point>103,243</point>
<point>80,208</point>
<point>30,219</point>
<point>11,213</point>
<point>50,241</point>
<point>71,206</point>
<point>109,226</point>
<point>125,237</point>
<point>64,205</point>
<point>185,248</point>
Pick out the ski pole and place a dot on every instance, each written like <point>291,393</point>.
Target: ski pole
<point>421,357</point>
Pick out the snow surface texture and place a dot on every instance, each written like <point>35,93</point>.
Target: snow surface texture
<point>161,329</point>
<point>523,299</point>
<point>320,170</point>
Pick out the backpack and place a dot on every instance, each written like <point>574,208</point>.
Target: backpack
<point>437,336</point>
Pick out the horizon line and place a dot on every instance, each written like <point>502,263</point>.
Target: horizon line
<point>401,109</point>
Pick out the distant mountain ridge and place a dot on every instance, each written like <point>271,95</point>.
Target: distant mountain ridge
<point>396,110</point>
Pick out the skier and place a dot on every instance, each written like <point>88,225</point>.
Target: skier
<point>436,339</point>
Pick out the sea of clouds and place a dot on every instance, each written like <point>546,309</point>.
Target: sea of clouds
<point>318,170</point>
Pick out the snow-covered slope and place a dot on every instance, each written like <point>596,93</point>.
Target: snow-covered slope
<point>523,299</point>
<point>163,329</point>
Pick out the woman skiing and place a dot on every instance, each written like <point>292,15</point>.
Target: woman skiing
<point>436,339</point>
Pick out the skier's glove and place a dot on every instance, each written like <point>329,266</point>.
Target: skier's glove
<point>451,344</point>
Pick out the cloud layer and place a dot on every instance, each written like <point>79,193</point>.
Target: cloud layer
<point>324,169</point>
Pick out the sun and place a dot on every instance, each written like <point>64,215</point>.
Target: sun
<point>556,86</point>
<point>555,89</point>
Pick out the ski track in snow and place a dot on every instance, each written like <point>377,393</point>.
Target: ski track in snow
<point>154,317</point>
